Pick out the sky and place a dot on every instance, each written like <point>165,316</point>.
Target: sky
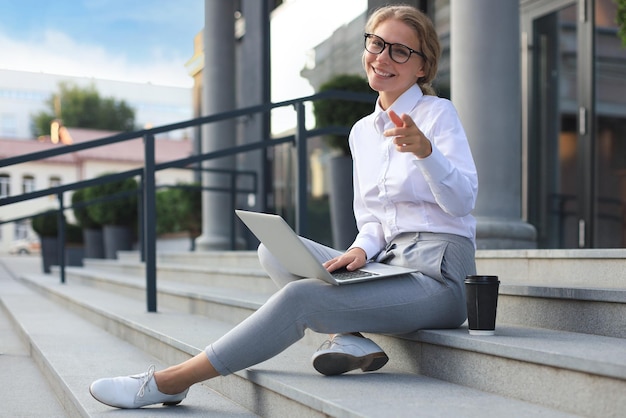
<point>151,40</point>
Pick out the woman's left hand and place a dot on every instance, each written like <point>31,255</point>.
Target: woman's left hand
<point>407,136</point>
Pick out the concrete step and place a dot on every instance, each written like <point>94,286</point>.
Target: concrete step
<point>222,303</point>
<point>588,268</point>
<point>213,274</point>
<point>283,386</point>
<point>242,259</point>
<point>71,352</point>
<point>585,310</point>
<point>21,378</point>
<point>546,364</point>
<point>599,311</point>
<point>597,268</point>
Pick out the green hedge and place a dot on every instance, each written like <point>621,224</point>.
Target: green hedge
<point>46,224</point>
<point>179,209</point>
<point>82,214</point>
<point>335,112</point>
<point>120,211</point>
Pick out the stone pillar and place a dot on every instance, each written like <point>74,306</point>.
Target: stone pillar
<point>218,96</point>
<point>486,90</point>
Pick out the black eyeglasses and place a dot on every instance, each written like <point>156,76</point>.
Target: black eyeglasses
<point>398,52</point>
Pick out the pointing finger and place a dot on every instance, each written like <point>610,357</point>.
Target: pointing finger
<point>407,121</point>
<point>396,119</point>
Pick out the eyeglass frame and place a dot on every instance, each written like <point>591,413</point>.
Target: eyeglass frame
<point>366,36</point>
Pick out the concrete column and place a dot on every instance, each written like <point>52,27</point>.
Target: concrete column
<point>218,96</point>
<point>486,90</point>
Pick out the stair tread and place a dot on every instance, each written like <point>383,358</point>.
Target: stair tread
<point>20,373</point>
<point>589,353</point>
<point>557,291</point>
<point>79,351</point>
<point>250,298</point>
<point>388,392</point>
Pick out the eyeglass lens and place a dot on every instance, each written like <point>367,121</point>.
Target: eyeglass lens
<point>398,52</point>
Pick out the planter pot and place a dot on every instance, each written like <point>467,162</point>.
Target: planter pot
<point>341,199</point>
<point>49,253</point>
<point>74,255</point>
<point>94,243</point>
<point>116,238</point>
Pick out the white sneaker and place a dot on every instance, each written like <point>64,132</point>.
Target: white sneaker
<point>132,391</point>
<point>346,352</point>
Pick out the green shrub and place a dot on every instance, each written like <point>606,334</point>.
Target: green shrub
<point>179,209</point>
<point>73,234</point>
<point>120,211</point>
<point>46,224</point>
<point>81,213</point>
<point>335,112</point>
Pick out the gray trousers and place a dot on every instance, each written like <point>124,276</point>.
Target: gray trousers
<point>434,297</point>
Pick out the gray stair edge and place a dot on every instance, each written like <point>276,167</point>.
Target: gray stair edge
<point>234,297</point>
<point>281,375</point>
<point>593,294</point>
<point>228,270</point>
<point>22,374</point>
<point>69,382</point>
<point>593,354</point>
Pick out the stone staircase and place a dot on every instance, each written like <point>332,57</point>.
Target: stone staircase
<point>559,348</point>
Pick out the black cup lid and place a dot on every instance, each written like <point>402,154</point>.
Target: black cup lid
<point>481,279</point>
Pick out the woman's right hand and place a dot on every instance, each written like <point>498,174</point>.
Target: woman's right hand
<point>352,259</point>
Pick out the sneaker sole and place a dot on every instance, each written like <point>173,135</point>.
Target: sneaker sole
<point>173,403</point>
<point>332,364</point>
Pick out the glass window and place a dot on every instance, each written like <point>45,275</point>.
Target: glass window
<point>54,181</point>
<point>8,125</point>
<point>610,130</point>
<point>5,185</point>
<point>21,230</point>
<point>28,184</point>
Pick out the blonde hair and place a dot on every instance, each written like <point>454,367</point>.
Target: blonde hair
<point>426,34</point>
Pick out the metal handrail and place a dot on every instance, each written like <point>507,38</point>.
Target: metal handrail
<point>147,173</point>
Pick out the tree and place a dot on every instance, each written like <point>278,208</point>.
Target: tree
<point>80,107</point>
<point>621,20</point>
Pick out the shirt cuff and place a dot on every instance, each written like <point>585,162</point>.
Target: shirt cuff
<point>436,166</point>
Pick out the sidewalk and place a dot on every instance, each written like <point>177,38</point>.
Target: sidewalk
<point>20,264</point>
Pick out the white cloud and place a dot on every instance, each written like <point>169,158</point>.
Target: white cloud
<point>57,53</point>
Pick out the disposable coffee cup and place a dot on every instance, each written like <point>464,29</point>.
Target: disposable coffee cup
<point>482,303</point>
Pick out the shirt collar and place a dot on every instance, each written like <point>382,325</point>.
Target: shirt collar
<point>403,104</point>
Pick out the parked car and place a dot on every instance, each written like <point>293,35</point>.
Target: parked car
<point>25,246</point>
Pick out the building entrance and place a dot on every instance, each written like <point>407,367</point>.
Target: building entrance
<point>576,125</point>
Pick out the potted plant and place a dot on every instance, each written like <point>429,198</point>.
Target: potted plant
<point>117,214</point>
<point>90,229</point>
<point>179,210</point>
<point>335,112</point>
<point>46,226</point>
<point>74,245</point>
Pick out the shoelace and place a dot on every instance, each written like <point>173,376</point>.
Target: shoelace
<point>326,344</point>
<point>145,379</point>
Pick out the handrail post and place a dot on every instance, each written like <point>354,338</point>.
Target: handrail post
<point>61,236</point>
<point>149,222</point>
<point>301,170</point>
<point>233,206</point>
<point>140,218</point>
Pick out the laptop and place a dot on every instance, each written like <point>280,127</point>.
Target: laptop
<point>276,234</point>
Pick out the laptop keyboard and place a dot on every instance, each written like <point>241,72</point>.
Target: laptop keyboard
<point>343,274</point>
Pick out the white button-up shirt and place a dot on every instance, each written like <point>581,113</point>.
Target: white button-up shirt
<point>397,192</point>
